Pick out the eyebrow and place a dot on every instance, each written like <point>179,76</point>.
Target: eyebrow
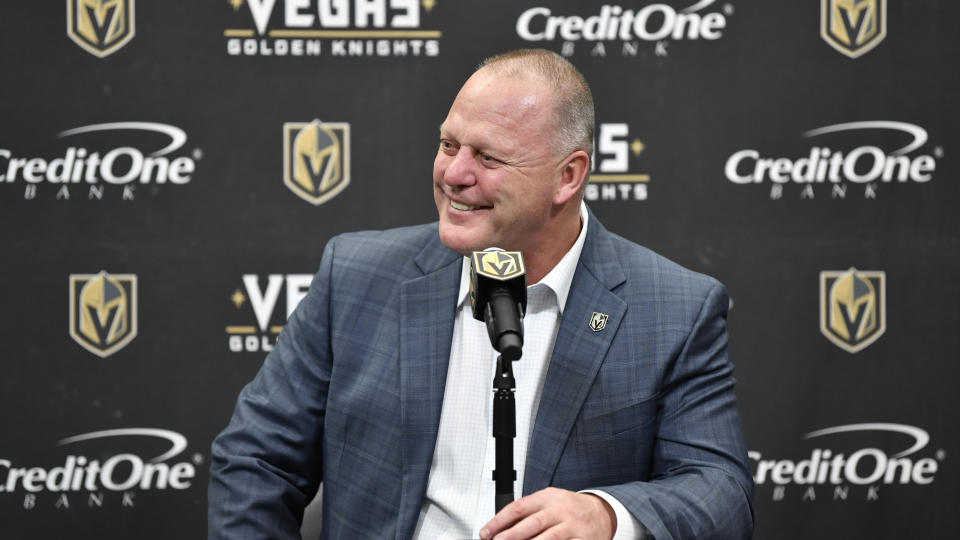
<point>444,131</point>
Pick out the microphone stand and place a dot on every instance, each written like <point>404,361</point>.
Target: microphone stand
<point>504,431</point>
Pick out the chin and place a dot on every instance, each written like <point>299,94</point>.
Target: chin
<point>456,239</point>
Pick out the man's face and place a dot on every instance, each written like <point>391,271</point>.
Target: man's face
<point>495,176</point>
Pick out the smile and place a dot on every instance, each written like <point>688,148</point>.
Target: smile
<point>459,206</point>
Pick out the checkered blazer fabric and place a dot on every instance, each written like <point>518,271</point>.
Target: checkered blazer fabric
<point>351,396</point>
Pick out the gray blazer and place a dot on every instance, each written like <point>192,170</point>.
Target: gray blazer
<point>643,409</point>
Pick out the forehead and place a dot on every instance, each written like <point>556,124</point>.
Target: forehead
<point>508,112</point>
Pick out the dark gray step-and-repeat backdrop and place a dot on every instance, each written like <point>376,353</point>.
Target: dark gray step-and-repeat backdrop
<point>170,172</point>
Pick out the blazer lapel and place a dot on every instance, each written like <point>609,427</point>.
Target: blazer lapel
<point>427,312</point>
<point>577,354</point>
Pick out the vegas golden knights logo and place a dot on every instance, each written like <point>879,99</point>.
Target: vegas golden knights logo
<point>853,307</point>
<point>103,311</point>
<point>100,27</point>
<point>853,27</point>
<point>316,159</point>
<point>598,321</point>
<point>502,265</point>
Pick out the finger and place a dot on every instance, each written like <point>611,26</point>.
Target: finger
<point>513,513</point>
<point>534,525</point>
<point>558,532</point>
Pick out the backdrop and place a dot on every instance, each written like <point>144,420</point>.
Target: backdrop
<point>170,172</point>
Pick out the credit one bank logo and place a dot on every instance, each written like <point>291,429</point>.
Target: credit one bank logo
<point>877,156</point>
<point>115,477</point>
<point>338,28</point>
<point>121,154</point>
<point>624,26</point>
<point>850,456</point>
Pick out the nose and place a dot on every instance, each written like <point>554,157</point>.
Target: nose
<point>459,171</point>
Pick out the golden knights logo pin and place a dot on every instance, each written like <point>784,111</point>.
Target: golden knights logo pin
<point>598,321</point>
<point>853,27</point>
<point>502,265</point>
<point>100,27</point>
<point>853,307</point>
<point>103,311</point>
<point>316,159</point>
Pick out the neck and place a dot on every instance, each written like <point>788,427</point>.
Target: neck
<point>540,262</point>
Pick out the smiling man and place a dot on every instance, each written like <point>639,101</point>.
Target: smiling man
<point>504,175</point>
<point>380,384</point>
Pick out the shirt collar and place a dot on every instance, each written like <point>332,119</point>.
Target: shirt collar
<point>557,280</point>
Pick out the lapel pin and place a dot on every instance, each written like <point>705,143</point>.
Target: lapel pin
<point>598,321</point>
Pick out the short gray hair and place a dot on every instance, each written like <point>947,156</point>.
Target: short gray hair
<point>573,110</point>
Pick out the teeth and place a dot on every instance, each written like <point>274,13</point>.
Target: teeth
<point>459,206</point>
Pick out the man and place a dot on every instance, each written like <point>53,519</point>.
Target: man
<point>379,386</point>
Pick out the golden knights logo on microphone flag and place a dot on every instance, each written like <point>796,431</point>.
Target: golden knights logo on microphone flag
<point>853,311</point>
<point>103,311</point>
<point>502,265</point>
<point>495,264</point>
<point>100,27</point>
<point>316,159</point>
<point>853,27</point>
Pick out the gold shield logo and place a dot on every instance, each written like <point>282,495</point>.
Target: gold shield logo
<point>853,27</point>
<point>598,321</point>
<point>103,311</point>
<point>502,265</point>
<point>100,27</point>
<point>316,159</point>
<point>852,307</point>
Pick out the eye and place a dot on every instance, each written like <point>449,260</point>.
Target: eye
<point>488,160</point>
<point>448,146</point>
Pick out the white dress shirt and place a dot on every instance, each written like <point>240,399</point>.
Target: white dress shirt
<point>460,488</point>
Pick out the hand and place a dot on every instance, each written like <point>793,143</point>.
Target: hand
<point>553,514</point>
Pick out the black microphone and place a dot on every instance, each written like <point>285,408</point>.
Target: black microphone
<point>498,295</point>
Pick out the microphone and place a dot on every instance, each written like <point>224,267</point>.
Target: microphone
<point>498,295</point>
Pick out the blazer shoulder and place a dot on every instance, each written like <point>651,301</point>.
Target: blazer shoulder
<point>399,244</point>
<point>642,264</point>
<point>402,253</point>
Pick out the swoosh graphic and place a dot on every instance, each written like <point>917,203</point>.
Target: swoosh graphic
<point>177,136</point>
<point>919,134</point>
<point>921,436</point>
<point>179,441</point>
<point>698,6</point>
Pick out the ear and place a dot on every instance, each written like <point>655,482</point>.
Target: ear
<point>573,175</point>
